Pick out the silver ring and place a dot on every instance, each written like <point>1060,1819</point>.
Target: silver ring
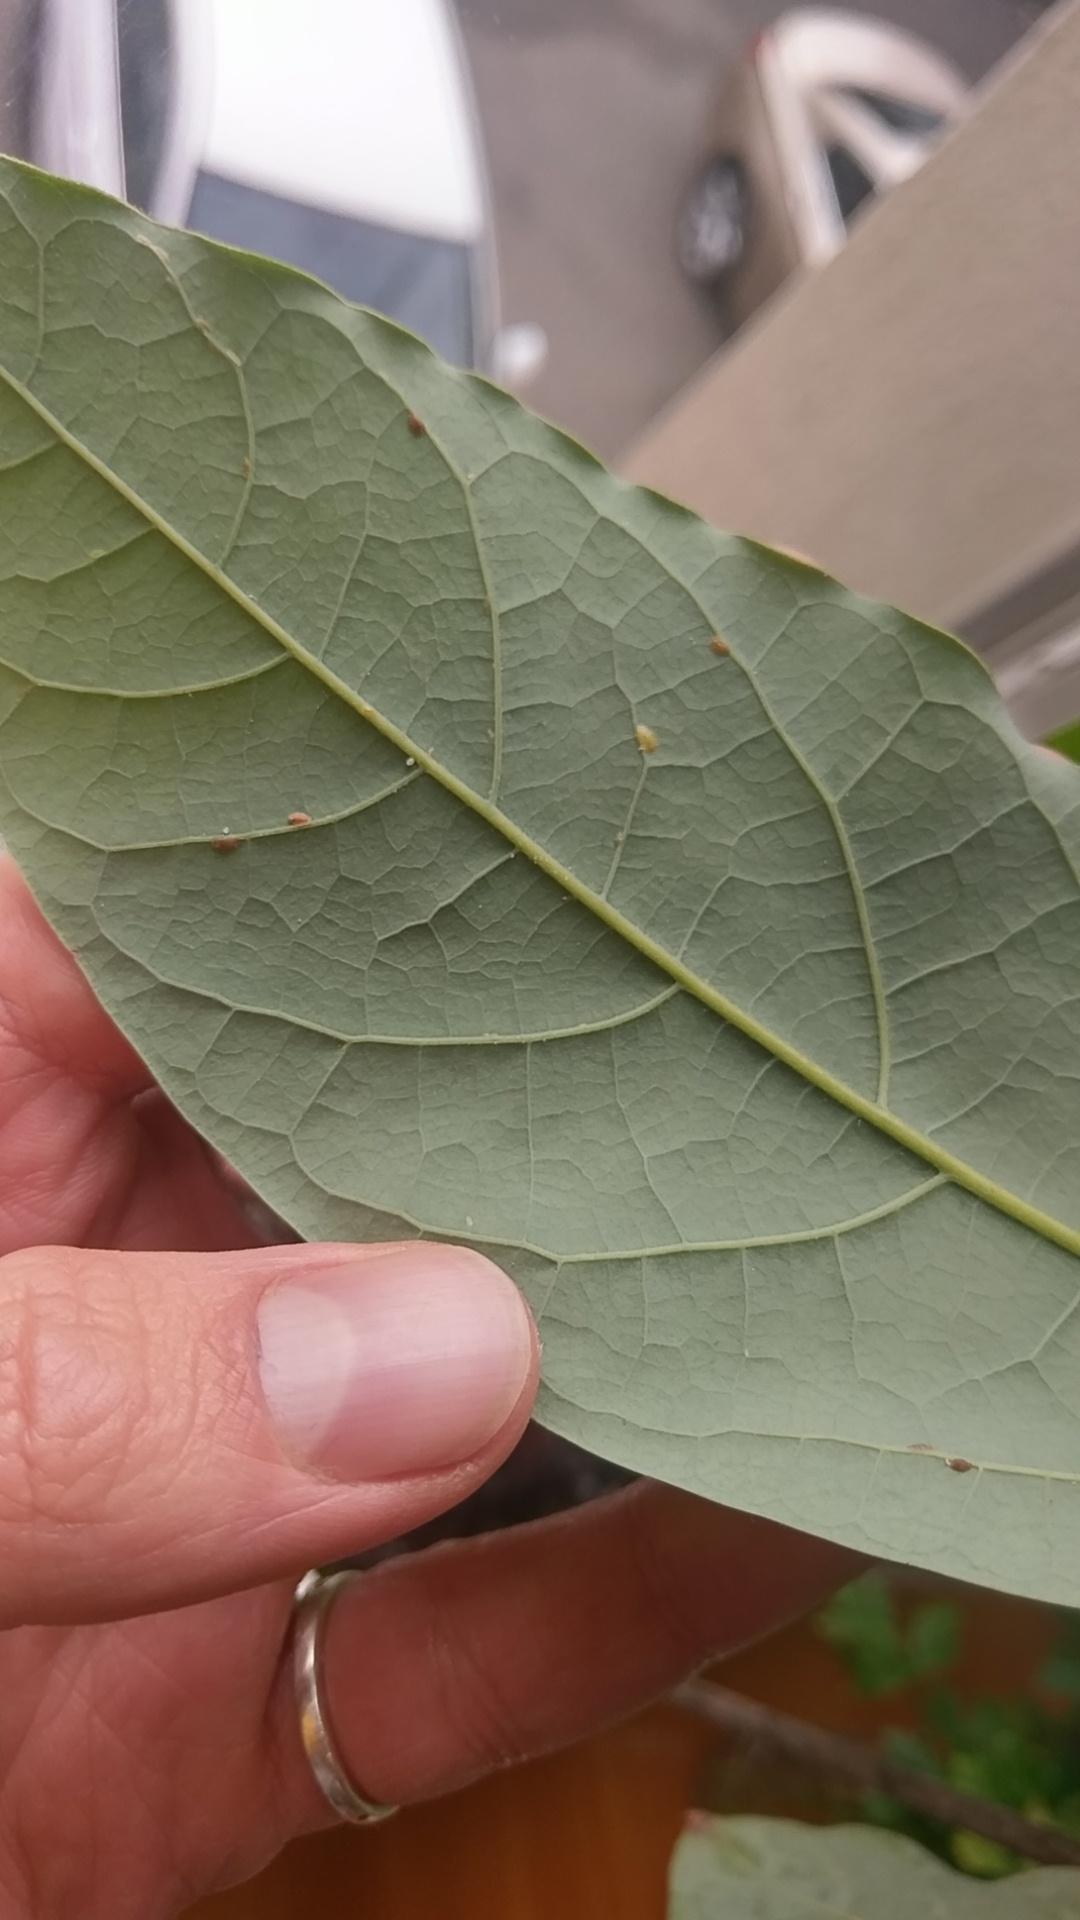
<point>314,1597</point>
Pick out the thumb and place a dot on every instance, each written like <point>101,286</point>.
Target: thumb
<point>178,1426</point>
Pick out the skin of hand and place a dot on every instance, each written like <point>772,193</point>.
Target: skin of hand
<point>187,1423</point>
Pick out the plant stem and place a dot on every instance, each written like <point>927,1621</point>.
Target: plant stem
<point>861,1767</point>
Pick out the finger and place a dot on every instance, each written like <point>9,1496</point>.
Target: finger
<point>73,1104</point>
<point>90,1151</point>
<point>441,1667</point>
<point>48,1013</point>
<point>173,1427</point>
<point>160,1188</point>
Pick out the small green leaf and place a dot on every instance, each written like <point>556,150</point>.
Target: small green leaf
<point>862,1623</point>
<point>730,998</point>
<point>884,1652</point>
<point>981,1858</point>
<point>1067,741</point>
<point>752,1869</point>
<point>932,1638</point>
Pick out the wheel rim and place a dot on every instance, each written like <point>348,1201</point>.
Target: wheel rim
<point>711,229</point>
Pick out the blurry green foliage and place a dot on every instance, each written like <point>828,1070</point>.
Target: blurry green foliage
<point>1067,741</point>
<point>882,1649</point>
<point>1021,1752</point>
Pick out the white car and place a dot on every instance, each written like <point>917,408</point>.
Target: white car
<point>827,111</point>
<point>338,135</point>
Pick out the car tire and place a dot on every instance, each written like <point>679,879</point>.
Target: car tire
<point>711,234</point>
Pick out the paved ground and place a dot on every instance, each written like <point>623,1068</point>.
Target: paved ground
<point>594,112</point>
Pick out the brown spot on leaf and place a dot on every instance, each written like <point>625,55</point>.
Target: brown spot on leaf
<point>646,739</point>
<point>920,1446</point>
<point>226,843</point>
<point>246,465</point>
<point>416,427</point>
<point>718,644</point>
<point>958,1465</point>
<point>299,819</point>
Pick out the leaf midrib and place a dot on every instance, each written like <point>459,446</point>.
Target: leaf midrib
<point>887,1122</point>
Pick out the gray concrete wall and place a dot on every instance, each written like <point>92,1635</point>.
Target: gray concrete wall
<point>910,416</point>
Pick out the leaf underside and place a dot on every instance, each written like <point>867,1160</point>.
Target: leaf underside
<point>727,994</point>
<point>754,1869</point>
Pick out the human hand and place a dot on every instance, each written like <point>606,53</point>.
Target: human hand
<point>187,1423</point>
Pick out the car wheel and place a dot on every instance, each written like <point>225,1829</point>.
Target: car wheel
<point>712,226</point>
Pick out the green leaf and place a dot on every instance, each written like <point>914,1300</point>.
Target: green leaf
<point>730,999</point>
<point>752,1869</point>
<point>881,1649</point>
<point>983,1859</point>
<point>933,1638</point>
<point>1067,741</point>
<point>862,1622</point>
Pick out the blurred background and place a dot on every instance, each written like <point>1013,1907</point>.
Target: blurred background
<point>596,115</point>
<point>812,270</point>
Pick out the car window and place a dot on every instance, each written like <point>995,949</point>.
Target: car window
<point>851,183</point>
<point>902,116</point>
<point>144,44</point>
<point>424,283</point>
